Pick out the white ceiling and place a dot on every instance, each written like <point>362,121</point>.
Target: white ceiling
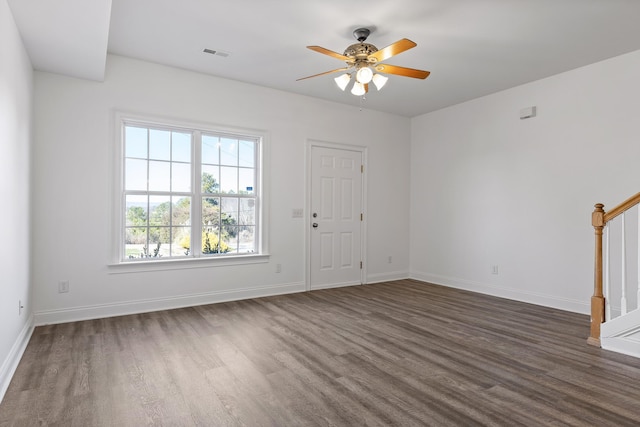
<point>471,47</point>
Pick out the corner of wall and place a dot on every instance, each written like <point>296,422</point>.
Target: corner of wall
<point>12,360</point>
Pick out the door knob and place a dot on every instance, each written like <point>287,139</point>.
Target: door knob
<point>314,225</point>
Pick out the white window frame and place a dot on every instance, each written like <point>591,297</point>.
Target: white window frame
<point>195,259</point>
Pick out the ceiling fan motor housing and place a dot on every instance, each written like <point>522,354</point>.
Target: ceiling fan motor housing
<point>360,51</point>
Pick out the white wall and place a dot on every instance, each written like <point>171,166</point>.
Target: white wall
<point>16,87</point>
<point>490,189</point>
<point>72,199</point>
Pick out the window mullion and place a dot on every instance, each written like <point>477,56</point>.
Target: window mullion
<point>196,203</point>
<point>220,193</point>
<point>148,227</point>
<point>257,190</point>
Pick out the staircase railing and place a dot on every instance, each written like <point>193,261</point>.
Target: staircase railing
<point>601,309</point>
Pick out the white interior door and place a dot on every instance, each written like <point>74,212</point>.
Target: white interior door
<point>336,217</point>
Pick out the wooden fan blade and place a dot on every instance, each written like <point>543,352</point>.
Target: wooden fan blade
<point>329,52</point>
<point>393,49</point>
<point>322,74</point>
<point>402,71</point>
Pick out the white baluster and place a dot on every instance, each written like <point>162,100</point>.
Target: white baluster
<point>638,296</point>
<point>607,275</point>
<point>623,299</point>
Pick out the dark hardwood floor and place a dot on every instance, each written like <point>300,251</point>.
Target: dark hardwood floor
<point>399,353</point>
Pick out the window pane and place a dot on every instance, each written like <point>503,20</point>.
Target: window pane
<point>181,147</point>
<point>159,176</point>
<point>136,236</point>
<point>247,213</point>
<point>247,154</point>
<point>135,142</point>
<point>135,174</point>
<point>230,238</point>
<point>181,214</point>
<point>137,214</point>
<point>135,240</point>
<point>159,238</point>
<point>246,181</point>
<point>229,180</point>
<point>181,241</point>
<point>210,182</point>
<point>246,240</point>
<point>160,207</point>
<point>211,211</point>
<point>229,220</point>
<point>211,243</point>
<point>159,144</point>
<point>228,151</point>
<point>210,150</point>
<point>229,209</point>
<point>181,177</point>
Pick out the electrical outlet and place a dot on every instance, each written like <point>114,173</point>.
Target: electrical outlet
<point>494,269</point>
<point>63,286</point>
<point>390,259</point>
<point>278,268</point>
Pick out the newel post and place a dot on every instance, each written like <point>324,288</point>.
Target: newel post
<point>597,300</point>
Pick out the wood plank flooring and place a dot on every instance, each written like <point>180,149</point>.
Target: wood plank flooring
<point>400,353</point>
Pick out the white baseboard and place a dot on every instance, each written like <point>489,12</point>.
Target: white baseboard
<point>142,306</point>
<point>627,326</point>
<point>552,301</point>
<point>622,334</point>
<point>621,345</point>
<point>10,364</point>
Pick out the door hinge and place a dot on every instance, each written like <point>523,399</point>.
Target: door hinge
<point>361,168</point>
<point>361,217</point>
<point>360,265</point>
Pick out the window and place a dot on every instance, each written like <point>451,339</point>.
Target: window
<point>188,193</point>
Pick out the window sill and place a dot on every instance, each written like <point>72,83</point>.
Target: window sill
<point>185,263</point>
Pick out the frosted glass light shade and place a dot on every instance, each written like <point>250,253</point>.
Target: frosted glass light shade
<point>379,80</point>
<point>358,89</point>
<point>342,81</point>
<point>364,75</point>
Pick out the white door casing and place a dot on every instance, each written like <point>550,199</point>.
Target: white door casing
<point>335,217</point>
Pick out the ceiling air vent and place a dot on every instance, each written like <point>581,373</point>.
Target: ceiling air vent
<point>217,52</point>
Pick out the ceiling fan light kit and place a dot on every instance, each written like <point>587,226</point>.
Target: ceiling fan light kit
<point>361,57</point>
<point>364,75</point>
<point>343,80</point>
<point>379,80</point>
<point>359,89</point>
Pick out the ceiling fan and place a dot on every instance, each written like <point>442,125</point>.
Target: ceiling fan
<point>364,59</point>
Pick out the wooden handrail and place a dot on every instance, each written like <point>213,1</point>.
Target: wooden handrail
<point>599,218</point>
<point>626,205</point>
